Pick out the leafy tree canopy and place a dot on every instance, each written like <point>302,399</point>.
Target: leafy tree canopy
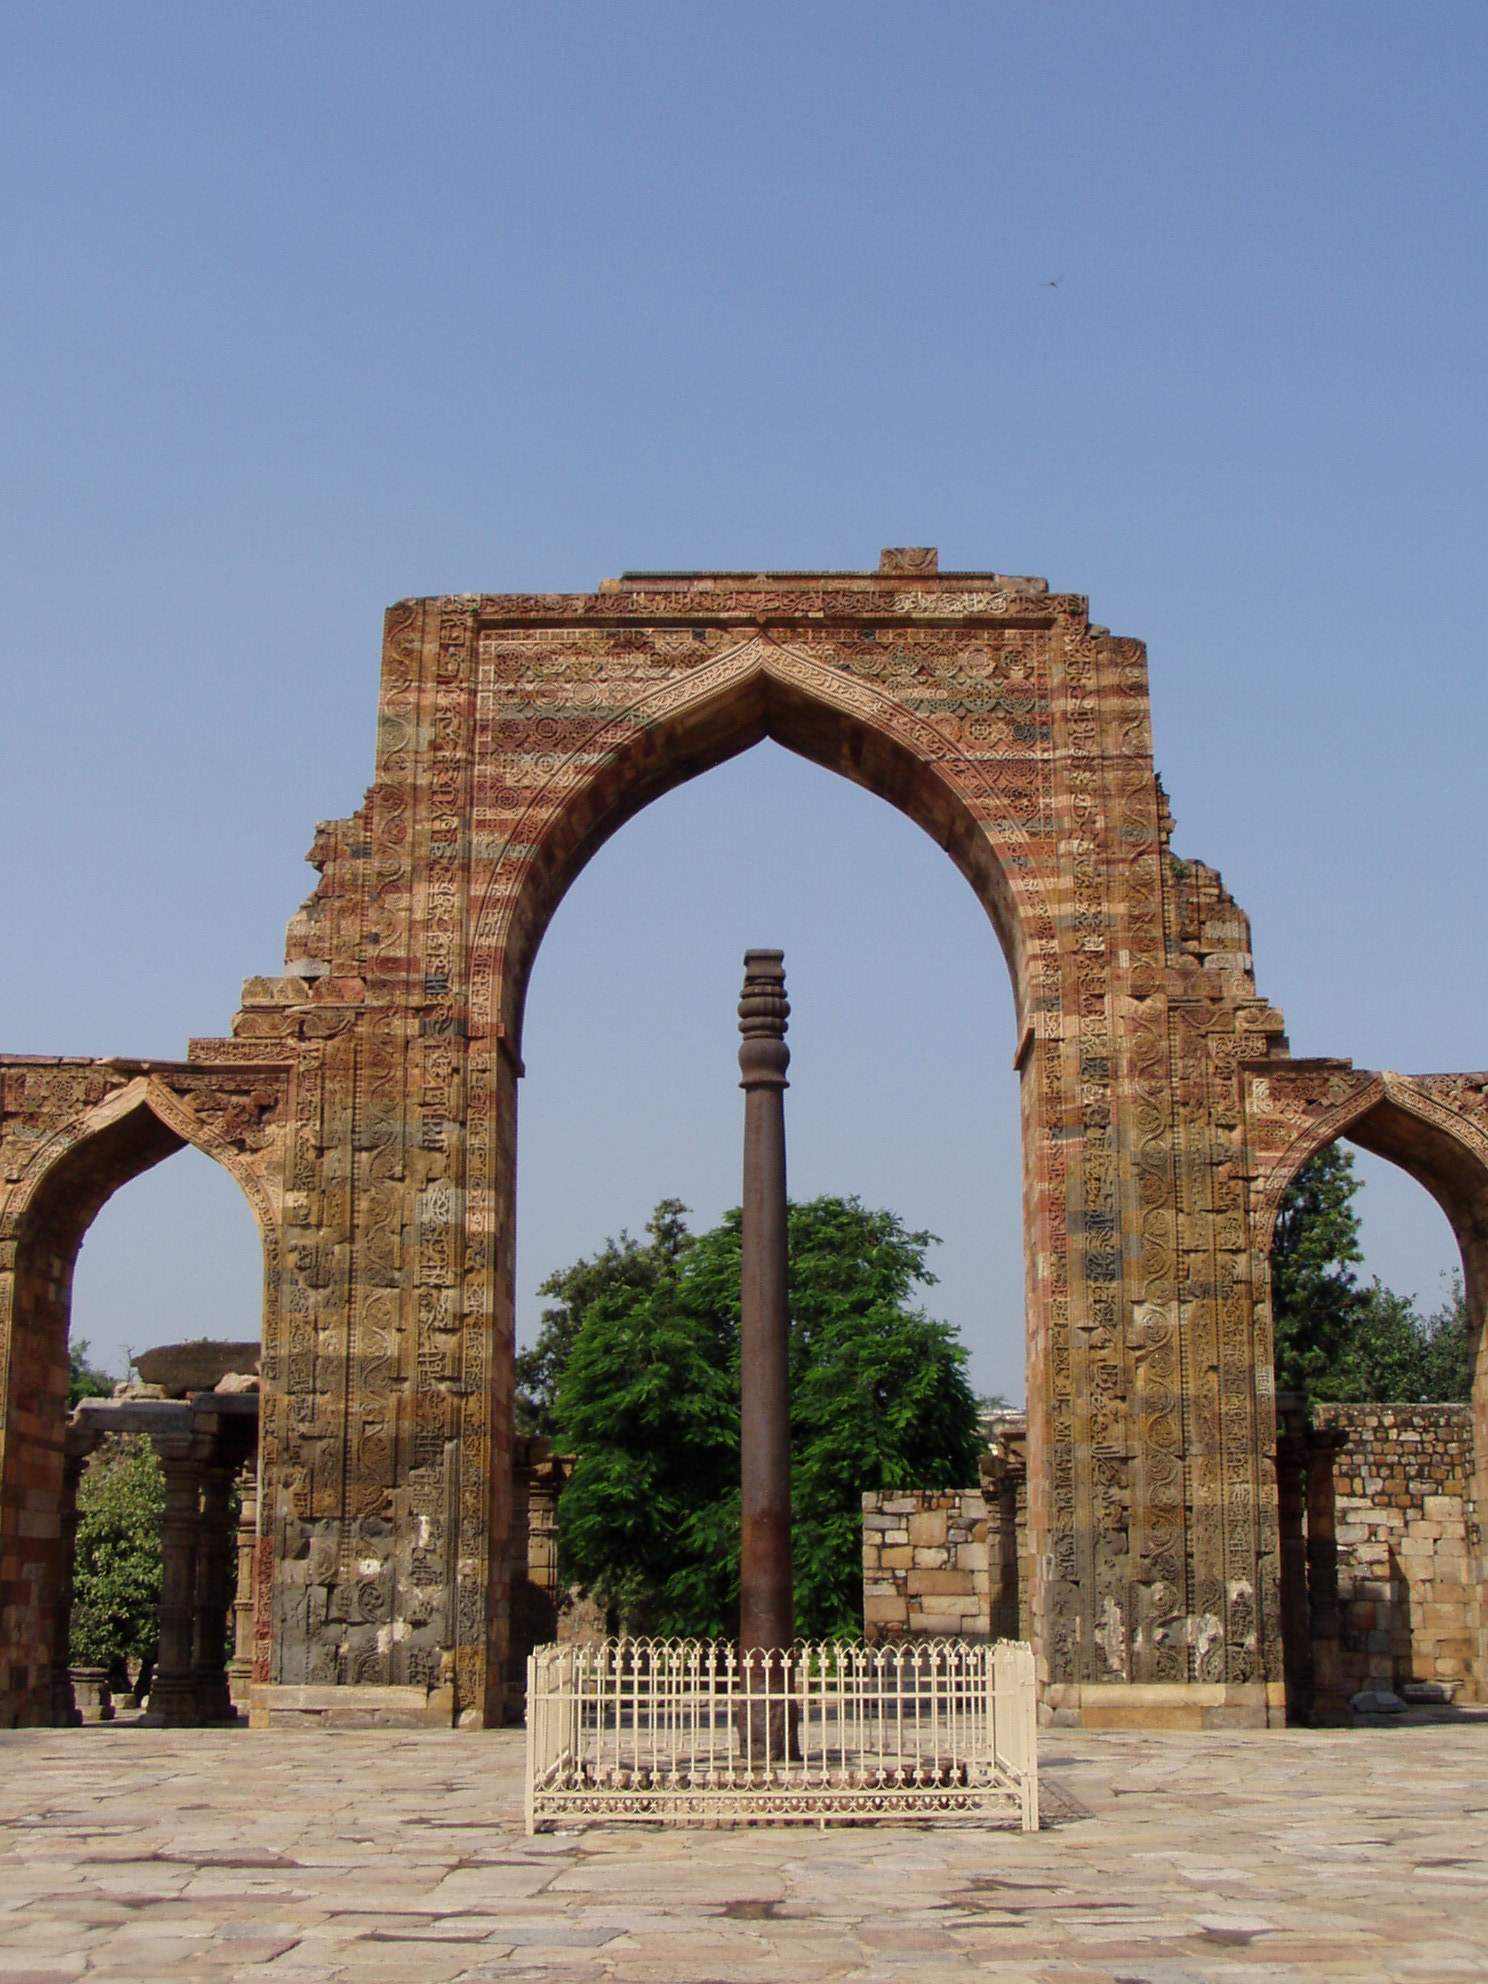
<point>622,1263</point>
<point>85,1380</point>
<point>642,1370</point>
<point>116,1580</point>
<point>1336,1340</point>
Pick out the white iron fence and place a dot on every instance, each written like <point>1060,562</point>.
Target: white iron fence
<point>679,1730</point>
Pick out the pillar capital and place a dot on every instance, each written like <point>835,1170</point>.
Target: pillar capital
<point>764,1012</point>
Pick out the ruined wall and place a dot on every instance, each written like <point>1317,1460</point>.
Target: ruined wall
<point>935,1557</point>
<point>1406,1595</point>
<point>515,733</point>
<point>925,1564</point>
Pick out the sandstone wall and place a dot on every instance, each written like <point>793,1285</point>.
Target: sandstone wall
<point>925,1564</point>
<point>1405,1596</point>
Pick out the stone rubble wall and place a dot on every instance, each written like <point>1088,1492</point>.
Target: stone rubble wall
<point>1405,1597</point>
<point>925,1564</point>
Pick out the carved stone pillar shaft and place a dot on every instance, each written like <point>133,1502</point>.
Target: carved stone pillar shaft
<point>172,1692</point>
<point>766,1597</point>
<point>240,1673</point>
<point>1291,1506</point>
<point>214,1560</point>
<point>1000,1479</point>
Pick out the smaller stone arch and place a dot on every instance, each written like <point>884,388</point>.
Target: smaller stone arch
<point>71,1135</point>
<point>1394,1116</point>
<point>140,1099</point>
<point>1435,1127</point>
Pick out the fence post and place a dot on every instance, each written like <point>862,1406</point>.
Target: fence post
<point>535,1709</point>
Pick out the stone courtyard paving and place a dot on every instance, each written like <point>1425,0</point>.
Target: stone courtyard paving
<point>129,1853</point>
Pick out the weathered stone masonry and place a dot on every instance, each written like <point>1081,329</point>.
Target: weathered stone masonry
<point>1406,1604</point>
<point>367,1101</point>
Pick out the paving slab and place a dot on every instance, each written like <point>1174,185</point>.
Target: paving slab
<point>313,1857</point>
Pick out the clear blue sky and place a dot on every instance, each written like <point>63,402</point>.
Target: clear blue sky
<point>306,309</point>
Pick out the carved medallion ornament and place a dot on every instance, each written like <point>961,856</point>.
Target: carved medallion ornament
<point>367,1103</point>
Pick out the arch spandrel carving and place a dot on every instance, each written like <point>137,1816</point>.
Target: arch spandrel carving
<point>759,688</point>
<point>228,1129</point>
<point>1434,1126</point>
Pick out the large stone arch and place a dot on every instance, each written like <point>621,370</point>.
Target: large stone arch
<point>762,687</point>
<point>1435,1127</point>
<point>515,732</point>
<point>78,1133</point>
<point>371,1091</point>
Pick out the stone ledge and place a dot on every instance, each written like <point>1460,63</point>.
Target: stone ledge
<point>276,1706</point>
<point>1193,1705</point>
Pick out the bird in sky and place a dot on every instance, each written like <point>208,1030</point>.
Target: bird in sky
<point>1052,285</point>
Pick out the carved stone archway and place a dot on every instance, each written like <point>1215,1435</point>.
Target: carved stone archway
<point>515,733</point>
<point>761,687</point>
<point>1436,1128</point>
<point>75,1132</point>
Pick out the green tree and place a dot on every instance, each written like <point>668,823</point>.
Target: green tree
<point>1314,1292</point>
<point>116,1578</point>
<point>85,1380</point>
<point>1448,1371</point>
<point>648,1403</point>
<point>1335,1340</point>
<point>1385,1355</point>
<point>622,1263</point>
<point>880,1396</point>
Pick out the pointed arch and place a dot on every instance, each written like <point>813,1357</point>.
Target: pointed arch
<point>760,688</point>
<point>1410,1122</point>
<point>82,1154</point>
<point>1400,1120</point>
<point>983,813</point>
<point>82,1163</point>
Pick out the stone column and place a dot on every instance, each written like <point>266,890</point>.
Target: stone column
<point>1000,1474</point>
<point>767,1618</point>
<point>1330,1704</point>
<point>1291,1507</point>
<point>240,1673</point>
<point>172,1692</point>
<point>214,1560</point>
<point>766,1596</point>
<point>64,1709</point>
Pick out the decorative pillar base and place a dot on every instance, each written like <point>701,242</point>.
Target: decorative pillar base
<point>92,1698</point>
<point>172,1706</point>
